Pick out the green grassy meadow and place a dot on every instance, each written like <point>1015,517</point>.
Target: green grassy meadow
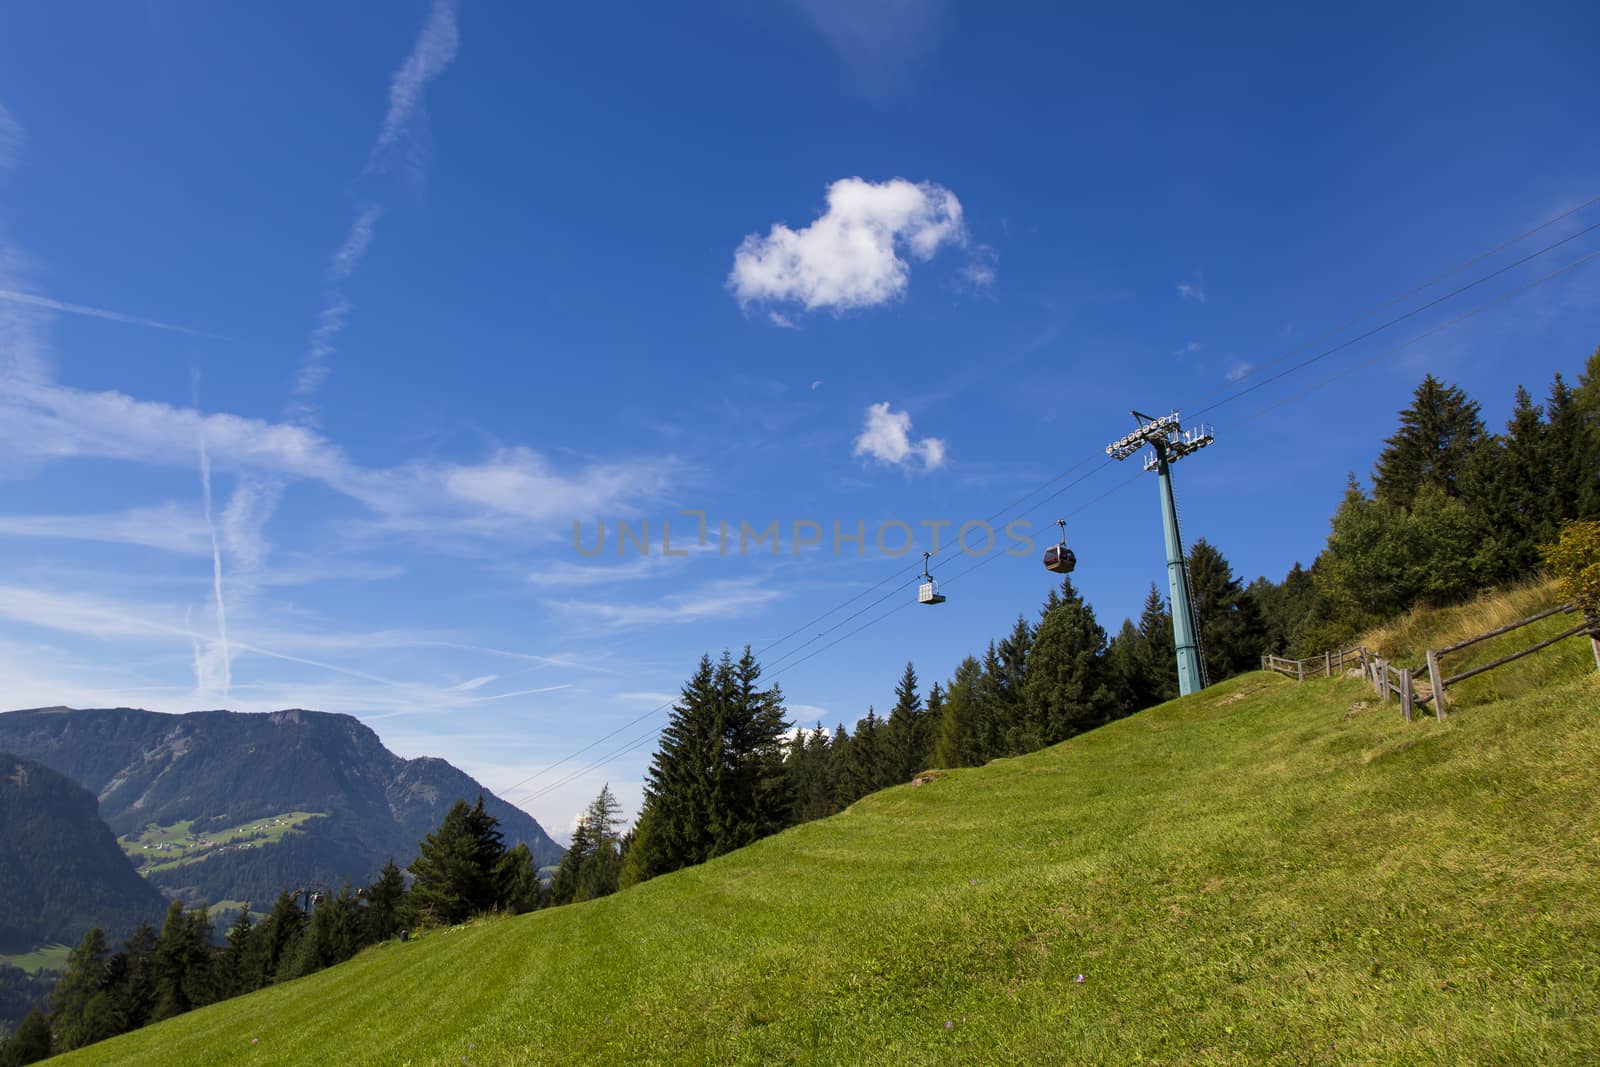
<point>44,958</point>
<point>162,848</point>
<point>1261,872</point>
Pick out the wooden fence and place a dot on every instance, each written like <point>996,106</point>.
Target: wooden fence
<point>1401,682</point>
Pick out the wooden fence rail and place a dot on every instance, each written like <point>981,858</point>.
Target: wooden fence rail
<point>1388,680</point>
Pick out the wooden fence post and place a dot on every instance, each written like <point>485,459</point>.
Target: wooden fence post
<point>1405,693</point>
<point>1383,679</point>
<point>1436,683</point>
<point>1327,664</point>
<point>1299,670</point>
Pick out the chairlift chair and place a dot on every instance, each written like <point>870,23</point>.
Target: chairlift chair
<point>928,591</point>
<point>1059,558</point>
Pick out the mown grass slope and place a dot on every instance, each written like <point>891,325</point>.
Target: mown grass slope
<point>1263,871</point>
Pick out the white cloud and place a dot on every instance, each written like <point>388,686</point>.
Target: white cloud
<point>434,51</point>
<point>167,527</point>
<point>1239,369</point>
<point>850,257</point>
<point>335,311</point>
<point>887,438</point>
<point>497,495</point>
<point>782,321</point>
<point>1195,290</point>
<point>713,600</point>
<point>1188,349</point>
<point>806,716</point>
<point>519,482</point>
<point>474,683</point>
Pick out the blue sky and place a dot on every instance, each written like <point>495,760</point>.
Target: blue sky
<point>320,325</point>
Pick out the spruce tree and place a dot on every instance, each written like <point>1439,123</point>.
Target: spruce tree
<point>454,872</point>
<point>905,745</point>
<point>237,969</point>
<point>134,994</point>
<point>958,740</point>
<point>30,1043</point>
<point>279,936</point>
<point>81,985</point>
<point>1065,688</point>
<point>675,822</point>
<point>182,961</point>
<point>1011,731</point>
<point>1438,434</point>
<point>520,887</point>
<point>1574,442</point>
<point>1231,630</point>
<point>749,796</point>
<point>866,768</point>
<point>388,904</point>
<point>1160,656</point>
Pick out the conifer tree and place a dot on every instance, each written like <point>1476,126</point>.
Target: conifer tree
<point>79,1005</point>
<point>238,968</point>
<point>30,1043</point>
<point>905,738</point>
<point>1160,659</point>
<point>182,961</point>
<point>388,904</point>
<point>866,768</point>
<point>810,766</point>
<point>1124,669</point>
<point>1434,445</point>
<point>1009,726</point>
<point>958,742</point>
<point>520,888</point>
<point>750,800</point>
<point>717,780</point>
<point>454,872</point>
<point>1065,690</point>
<point>1231,631</point>
<point>1574,443</point>
<point>279,935</point>
<point>133,995</point>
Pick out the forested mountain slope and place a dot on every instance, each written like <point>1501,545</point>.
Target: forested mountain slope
<point>219,770</point>
<point>61,870</point>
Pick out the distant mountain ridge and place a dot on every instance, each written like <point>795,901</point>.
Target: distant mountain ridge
<point>221,769</point>
<point>61,870</point>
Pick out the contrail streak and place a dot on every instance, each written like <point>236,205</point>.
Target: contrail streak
<point>216,565</point>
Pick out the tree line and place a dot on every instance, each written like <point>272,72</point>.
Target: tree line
<point>1452,509</point>
<point>462,869</point>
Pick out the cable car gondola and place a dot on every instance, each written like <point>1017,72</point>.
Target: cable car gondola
<point>928,591</point>
<point>1060,558</point>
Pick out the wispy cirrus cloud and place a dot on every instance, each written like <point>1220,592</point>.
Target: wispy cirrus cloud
<point>1194,289</point>
<point>169,527</point>
<point>886,437</point>
<point>335,312</point>
<point>722,599</point>
<point>502,494</point>
<point>851,255</point>
<point>434,51</point>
